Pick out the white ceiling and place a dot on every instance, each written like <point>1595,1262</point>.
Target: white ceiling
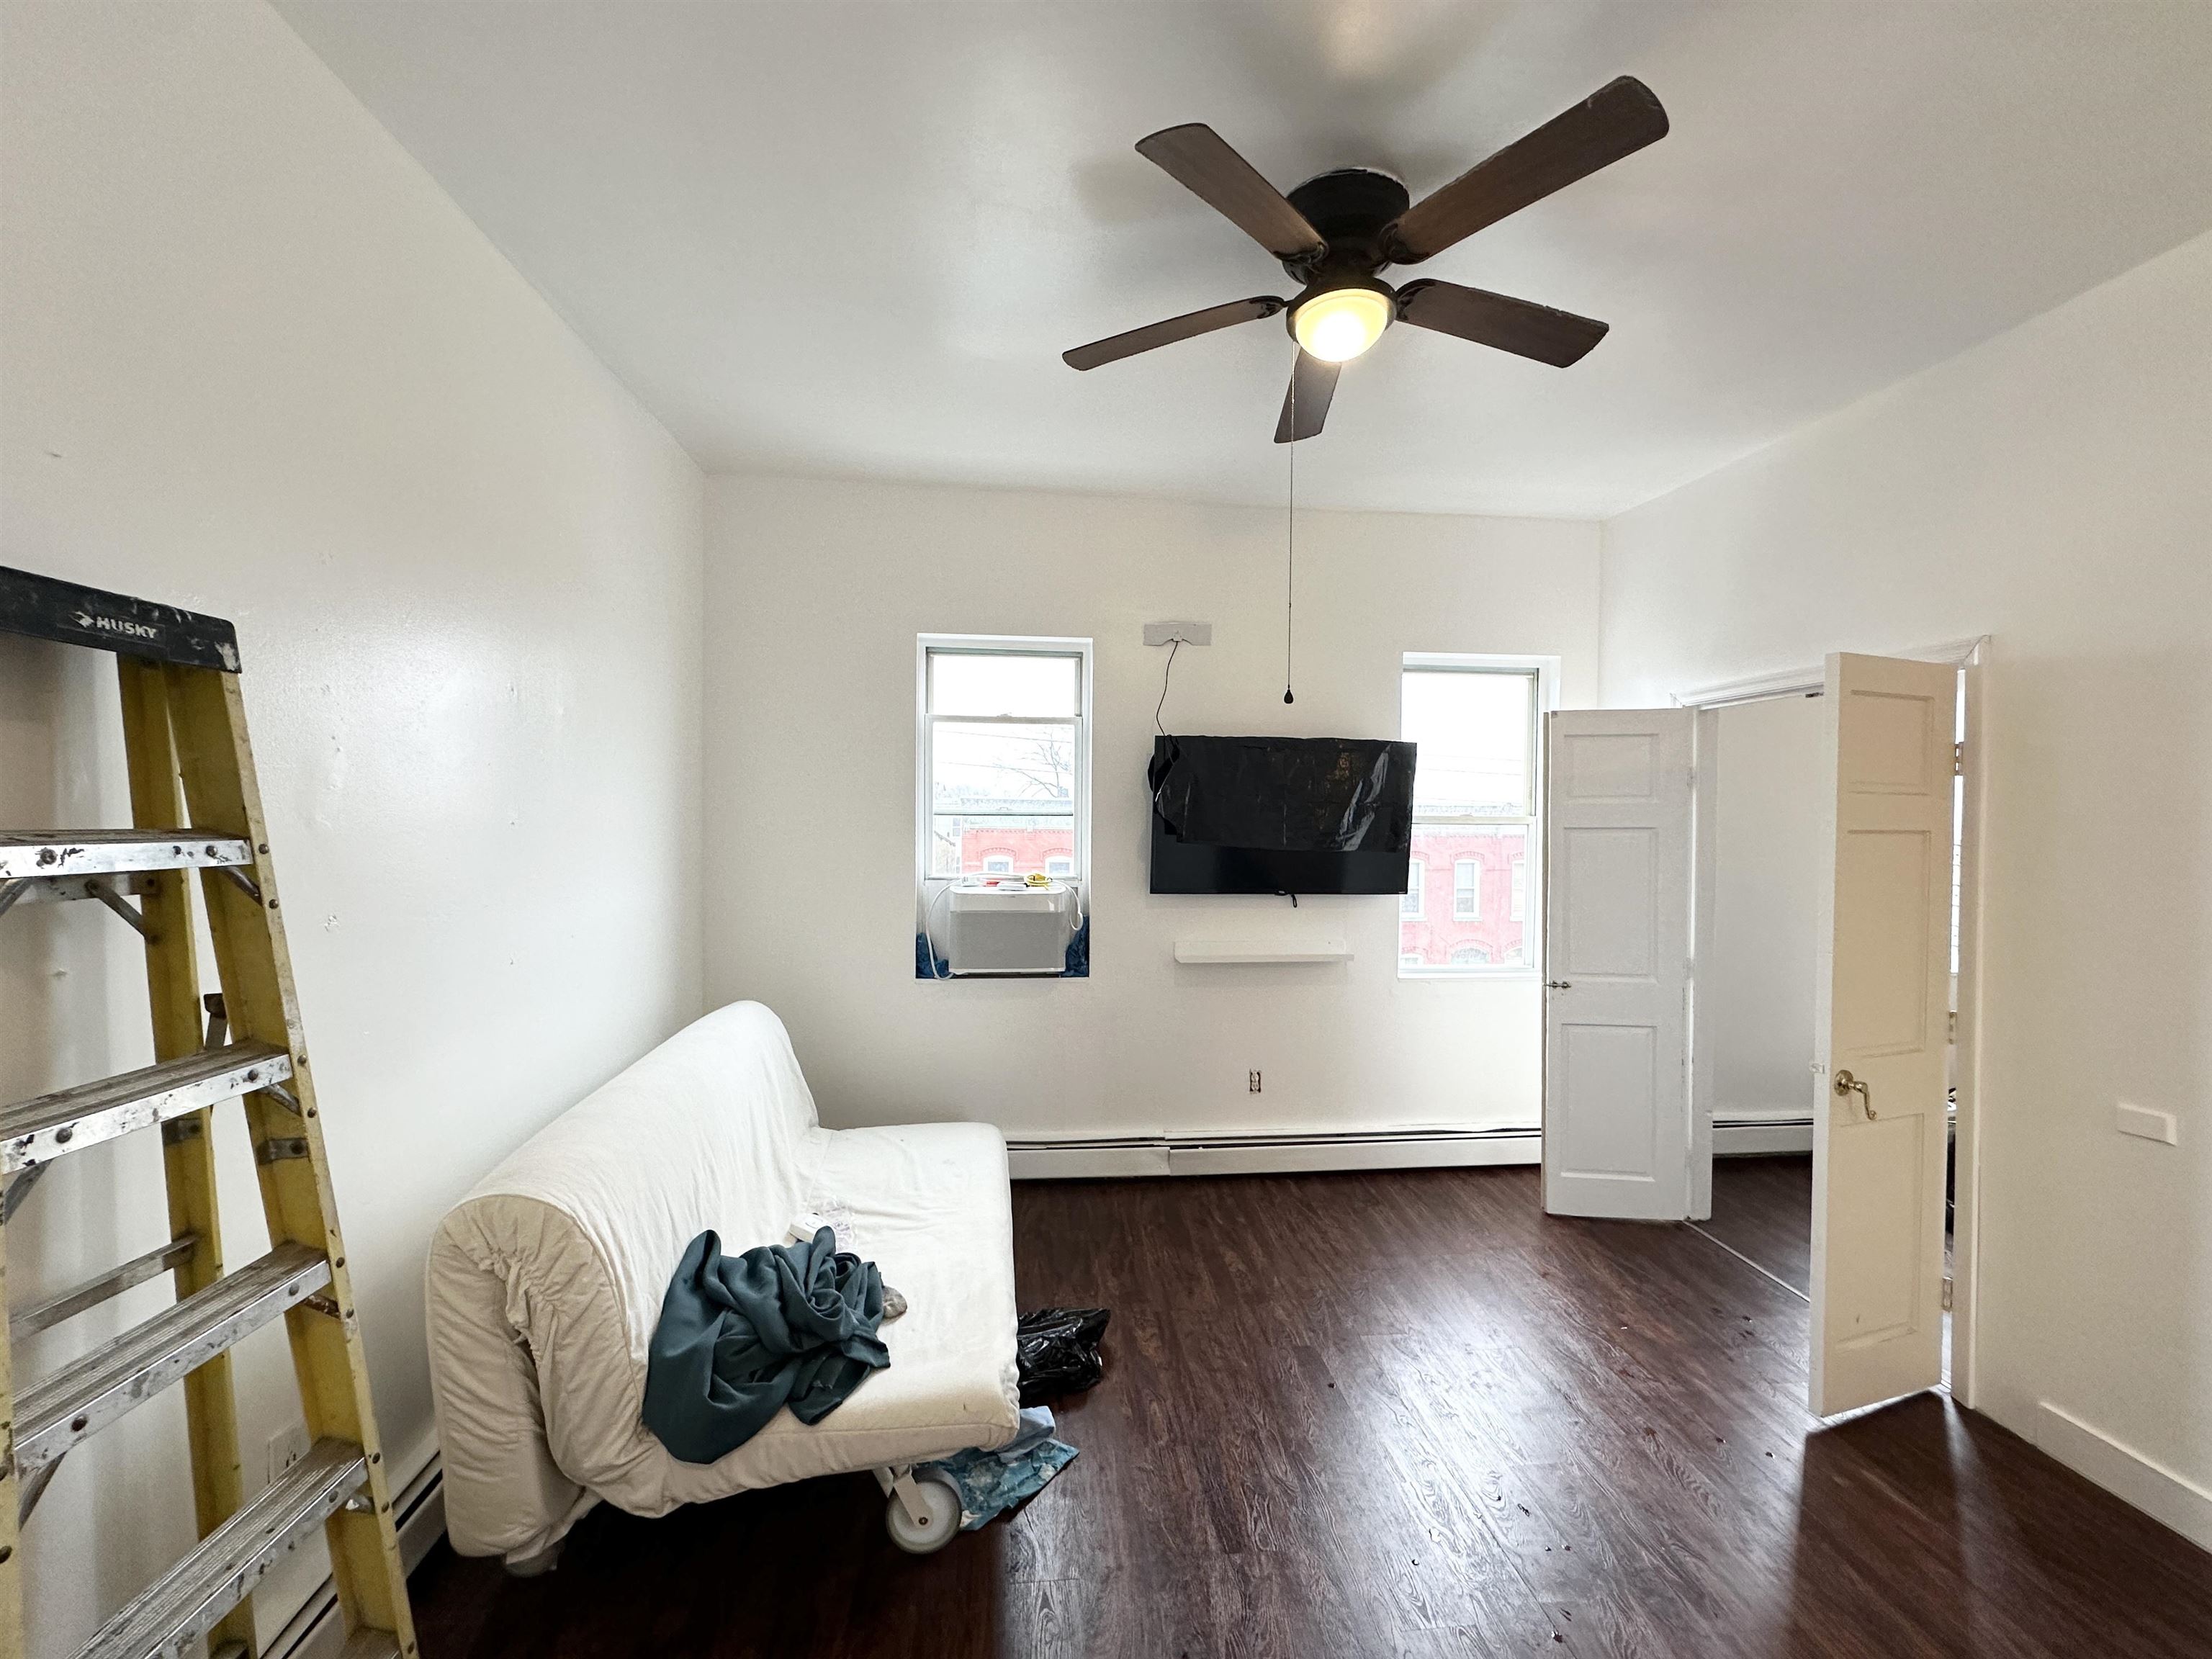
<point>855,238</point>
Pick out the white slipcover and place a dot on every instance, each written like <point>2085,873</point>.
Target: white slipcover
<point>545,1283</point>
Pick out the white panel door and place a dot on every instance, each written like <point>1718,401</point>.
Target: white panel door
<point>1881,1028</point>
<point>1616,954</point>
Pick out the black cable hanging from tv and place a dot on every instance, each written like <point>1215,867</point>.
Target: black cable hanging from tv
<point>1291,524</point>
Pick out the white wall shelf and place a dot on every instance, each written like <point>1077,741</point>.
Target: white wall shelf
<point>1232,951</point>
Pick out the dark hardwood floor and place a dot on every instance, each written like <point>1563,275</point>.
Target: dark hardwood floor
<point>1762,1210</point>
<point>1405,1415</point>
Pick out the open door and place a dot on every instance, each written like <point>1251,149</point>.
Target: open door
<point>1881,1122</point>
<point>1617,957</point>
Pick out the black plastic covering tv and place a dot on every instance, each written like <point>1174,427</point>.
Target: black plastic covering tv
<point>1280,815</point>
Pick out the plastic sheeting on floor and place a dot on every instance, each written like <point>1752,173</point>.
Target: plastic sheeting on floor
<point>992,1482</point>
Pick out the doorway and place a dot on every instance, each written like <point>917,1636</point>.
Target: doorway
<point>1830,931</point>
<point>1756,998</point>
<point>1764,832</point>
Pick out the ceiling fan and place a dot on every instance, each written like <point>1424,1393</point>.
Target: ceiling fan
<point>1336,232</point>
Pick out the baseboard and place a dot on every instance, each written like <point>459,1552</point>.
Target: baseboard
<point>2172,1499</point>
<point>1072,1159</point>
<point>316,1631</point>
<point>1749,1137</point>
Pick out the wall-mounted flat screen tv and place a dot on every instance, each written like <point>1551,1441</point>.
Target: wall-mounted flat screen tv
<point>1280,815</point>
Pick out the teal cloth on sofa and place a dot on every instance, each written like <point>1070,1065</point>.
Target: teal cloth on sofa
<point>740,1337</point>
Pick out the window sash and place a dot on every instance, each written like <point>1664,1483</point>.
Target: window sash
<point>1530,773</point>
<point>1451,818</point>
<point>1074,812</point>
<point>1541,673</point>
<point>995,817</point>
<point>930,653</point>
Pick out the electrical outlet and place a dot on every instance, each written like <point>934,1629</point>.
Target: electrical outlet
<point>287,1447</point>
<point>1252,1082</point>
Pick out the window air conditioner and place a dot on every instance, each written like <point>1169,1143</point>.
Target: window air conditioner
<point>1005,926</point>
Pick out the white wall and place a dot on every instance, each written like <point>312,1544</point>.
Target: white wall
<point>1755,982</point>
<point>255,362</point>
<point>815,589</point>
<point>2053,487</point>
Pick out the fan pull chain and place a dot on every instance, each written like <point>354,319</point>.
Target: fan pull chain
<point>1291,518</point>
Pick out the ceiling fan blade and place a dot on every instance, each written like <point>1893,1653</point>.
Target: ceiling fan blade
<point>1617,120</point>
<point>1313,383</point>
<point>1116,346</point>
<point>1519,326</point>
<point>1199,159</point>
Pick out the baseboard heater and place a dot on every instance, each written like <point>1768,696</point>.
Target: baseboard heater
<point>1265,1153</point>
<point>316,1631</point>
<point>1751,1137</point>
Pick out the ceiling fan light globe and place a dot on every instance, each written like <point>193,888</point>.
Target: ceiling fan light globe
<point>1338,325</point>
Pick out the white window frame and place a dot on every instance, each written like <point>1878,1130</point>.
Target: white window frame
<point>927,886</point>
<point>1545,670</point>
<point>1473,910</point>
<point>1416,883</point>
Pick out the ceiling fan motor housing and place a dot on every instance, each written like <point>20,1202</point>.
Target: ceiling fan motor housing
<point>1352,207</point>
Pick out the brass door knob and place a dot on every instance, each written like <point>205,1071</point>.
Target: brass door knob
<point>1848,1085</point>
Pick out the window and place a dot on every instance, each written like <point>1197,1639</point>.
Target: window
<point>1002,775</point>
<point>1410,906</point>
<point>1005,758</point>
<point>1467,888</point>
<point>1475,802</point>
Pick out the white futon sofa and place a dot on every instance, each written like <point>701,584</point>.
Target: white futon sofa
<point>545,1283</point>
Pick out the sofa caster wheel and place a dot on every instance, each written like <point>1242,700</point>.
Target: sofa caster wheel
<point>534,1566</point>
<point>937,1524</point>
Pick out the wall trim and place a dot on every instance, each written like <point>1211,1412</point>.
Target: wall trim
<point>316,1631</point>
<point>2172,1499</point>
<point>1076,1158</point>
<point>1808,682</point>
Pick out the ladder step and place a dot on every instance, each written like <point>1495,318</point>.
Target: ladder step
<point>27,853</point>
<point>176,1610</point>
<point>85,1396</point>
<point>36,1131</point>
<point>69,1304</point>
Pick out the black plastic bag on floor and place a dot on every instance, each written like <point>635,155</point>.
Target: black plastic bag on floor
<point>1059,1351</point>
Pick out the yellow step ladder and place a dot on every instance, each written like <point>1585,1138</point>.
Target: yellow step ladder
<point>184,725</point>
